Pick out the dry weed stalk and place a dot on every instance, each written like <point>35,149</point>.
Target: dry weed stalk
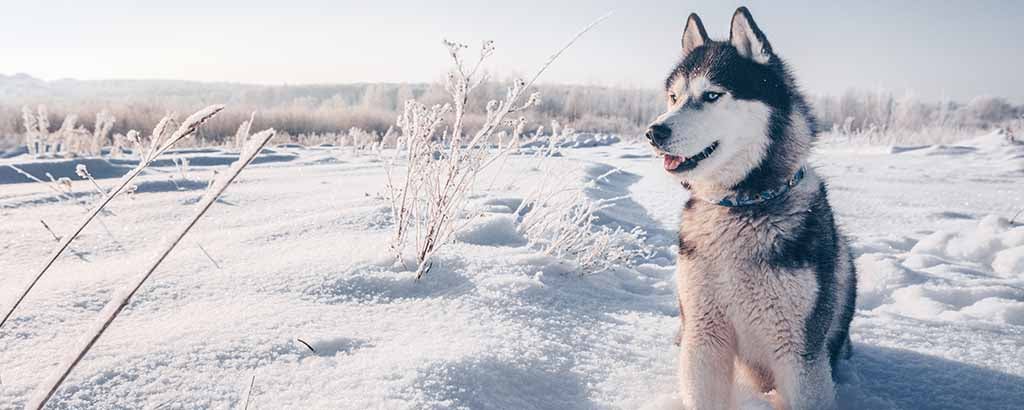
<point>37,129</point>
<point>123,296</point>
<point>242,135</point>
<point>162,140</point>
<point>62,193</point>
<point>441,170</point>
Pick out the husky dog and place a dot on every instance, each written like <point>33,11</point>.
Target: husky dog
<point>766,283</point>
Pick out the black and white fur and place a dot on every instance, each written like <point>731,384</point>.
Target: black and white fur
<point>766,291</point>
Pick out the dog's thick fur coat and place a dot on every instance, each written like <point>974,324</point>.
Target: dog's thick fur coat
<point>766,291</point>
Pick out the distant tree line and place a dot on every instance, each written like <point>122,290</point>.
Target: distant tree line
<point>315,109</point>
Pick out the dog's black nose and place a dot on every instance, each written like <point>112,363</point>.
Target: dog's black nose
<point>658,134</point>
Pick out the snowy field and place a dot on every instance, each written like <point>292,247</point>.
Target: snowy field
<point>297,250</point>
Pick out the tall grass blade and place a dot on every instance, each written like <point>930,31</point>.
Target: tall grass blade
<point>121,298</point>
<point>186,129</point>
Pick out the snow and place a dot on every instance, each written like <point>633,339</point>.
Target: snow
<point>302,249</point>
<point>493,230</point>
<point>577,140</point>
<point>1009,262</point>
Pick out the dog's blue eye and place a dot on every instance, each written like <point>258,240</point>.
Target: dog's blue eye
<point>711,96</point>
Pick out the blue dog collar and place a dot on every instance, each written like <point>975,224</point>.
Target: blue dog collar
<point>747,199</point>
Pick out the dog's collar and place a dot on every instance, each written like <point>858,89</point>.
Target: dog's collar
<point>748,199</point>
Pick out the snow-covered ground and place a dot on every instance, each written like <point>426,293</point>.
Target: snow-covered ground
<point>299,252</point>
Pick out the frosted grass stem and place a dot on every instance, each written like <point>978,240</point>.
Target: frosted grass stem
<point>189,127</point>
<point>123,296</point>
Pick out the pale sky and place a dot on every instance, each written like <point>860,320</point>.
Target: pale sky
<point>954,50</point>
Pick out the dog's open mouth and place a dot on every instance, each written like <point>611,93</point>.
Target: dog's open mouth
<point>680,164</point>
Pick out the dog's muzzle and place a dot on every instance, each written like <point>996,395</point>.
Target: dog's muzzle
<point>658,135</point>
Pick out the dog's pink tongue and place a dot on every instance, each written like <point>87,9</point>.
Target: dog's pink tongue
<point>672,162</point>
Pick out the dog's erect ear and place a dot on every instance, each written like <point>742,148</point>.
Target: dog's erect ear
<point>749,40</point>
<point>694,34</point>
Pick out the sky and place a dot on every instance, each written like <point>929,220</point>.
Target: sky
<point>929,50</point>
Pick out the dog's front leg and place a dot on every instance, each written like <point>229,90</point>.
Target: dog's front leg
<point>706,365</point>
<point>805,384</point>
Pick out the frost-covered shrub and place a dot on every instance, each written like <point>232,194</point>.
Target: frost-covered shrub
<point>546,145</point>
<point>362,139</point>
<point>101,129</point>
<point>561,221</point>
<point>442,164</point>
<point>71,139</point>
<point>37,129</point>
<point>123,143</point>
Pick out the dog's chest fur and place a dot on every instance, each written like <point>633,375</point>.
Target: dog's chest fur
<point>750,269</point>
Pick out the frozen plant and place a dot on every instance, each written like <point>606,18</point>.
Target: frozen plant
<point>75,140</point>
<point>63,188</point>
<point>56,238</point>
<point>121,298</point>
<point>123,142</point>
<point>548,146</point>
<point>62,184</point>
<point>181,166</point>
<point>70,139</point>
<point>101,129</point>
<point>540,147</point>
<point>63,192</point>
<point>389,139</point>
<point>418,124</point>
<point>163,138</point>
<point>62,139</point>
<point>242,134</point>
<point>362,139</point>
<point>28,120</point>
<point>441,170</point>
<point>43,122</point>
<point>83,172</point>
<point>37,129</point>
<point>561,222</point>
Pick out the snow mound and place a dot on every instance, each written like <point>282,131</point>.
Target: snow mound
<point>991,237</point>
<point>996,146</point>
<point>1009,262</point>
<point>972,274</point>
<point>500,205</point>
<point>492,230</point>
<point>997,138</point>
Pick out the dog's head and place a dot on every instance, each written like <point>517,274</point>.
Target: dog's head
<point>724,99</point>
